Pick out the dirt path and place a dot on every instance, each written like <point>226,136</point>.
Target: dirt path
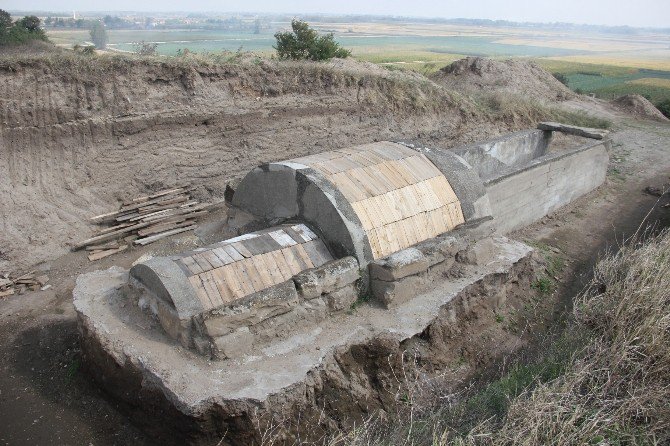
<point>45,398</point>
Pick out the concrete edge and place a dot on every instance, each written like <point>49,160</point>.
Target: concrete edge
<point>548,158</point>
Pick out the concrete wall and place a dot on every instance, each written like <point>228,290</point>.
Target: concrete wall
<point>489,158</point>
<point>519,197</point>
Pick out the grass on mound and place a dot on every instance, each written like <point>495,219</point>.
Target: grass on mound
<point>604,381</point>
<point>520,110</point>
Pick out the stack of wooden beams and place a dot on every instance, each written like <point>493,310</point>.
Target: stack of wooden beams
<point>19,284</point>
<point>143,220</point>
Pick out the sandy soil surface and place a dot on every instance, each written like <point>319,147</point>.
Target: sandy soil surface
<point>72,161</point>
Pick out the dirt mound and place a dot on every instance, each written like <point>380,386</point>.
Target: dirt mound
<point>639,106</point>
<point>80,134</point>
<point>520,77</point>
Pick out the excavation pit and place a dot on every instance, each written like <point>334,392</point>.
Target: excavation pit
<point>362,245</point>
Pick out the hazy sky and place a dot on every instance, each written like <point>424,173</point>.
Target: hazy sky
<point>607,12</point>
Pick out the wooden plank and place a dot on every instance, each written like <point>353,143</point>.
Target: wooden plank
<point>123,210</point>
<point>393,237</point>
<point>176,212</point>
<point>448,190</point>
<point>272,270</point>
<point>242,277</point>
<point>282,238</point>
<point>392,207</point>
<point>403,171</point>
<point>111,229</point>
<point>420,228</point>
<point>162,210</point>
<point>410,235</point>
<point>282,266</point>
<point>345,185</point>
<point>223,255</point>
<point>106,253</point>
<point>211,288</point>
<point>212,259</point>
<point>191,264</point>
<point>372,157</point>
<point>109,236</point>
<point>200,291</point>
<point>438,221</point>
<point>152,210</point>
<point>361,159</point>
<point>302,256</point>
<point>202,262</point>
<point>162,227</point>
<point>386,213</point>
<point>225,292</point>
<point>378,173</point>
<point>446,216</point>
<point>291,260</point>
<point>7,292</point>
<point>153,238</point>
<point>264,270</point>
<point>399,232</point>
<point>104,246</point>
<point>391,175</point>
<point>232,252</point>
<point>384,243</point>
<point>368,184</point>
<point>254,274</point>
<point>360,209</point>
<point>428,197</point>
<point>239,247</point>
<point>231,278</point>
<point>305,232</point>
<point>157,194</point>
<point>374,243</point>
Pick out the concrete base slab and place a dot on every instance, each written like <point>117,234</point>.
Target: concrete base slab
<point>319,373</point>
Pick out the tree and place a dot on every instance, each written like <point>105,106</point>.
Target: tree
<point>30,22</point>
<point>5,22</point>
<point>305,43</point>
<point>99,35</point>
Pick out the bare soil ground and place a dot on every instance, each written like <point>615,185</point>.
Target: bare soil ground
<point>76,140</point>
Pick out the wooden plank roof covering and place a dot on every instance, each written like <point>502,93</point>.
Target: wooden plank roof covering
<point>400,197</point>
<point>235,268</point>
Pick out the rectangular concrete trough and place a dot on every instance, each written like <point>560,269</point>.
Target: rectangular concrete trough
<point>526,177</point>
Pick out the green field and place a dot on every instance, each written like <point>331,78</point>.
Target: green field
<point>170,41</point>
<point>608,66</point>
<point>609,82</point>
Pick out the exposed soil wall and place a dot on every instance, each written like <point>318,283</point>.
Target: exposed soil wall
<point>78,135</point>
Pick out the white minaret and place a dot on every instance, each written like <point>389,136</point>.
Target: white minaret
<point>74,15</point>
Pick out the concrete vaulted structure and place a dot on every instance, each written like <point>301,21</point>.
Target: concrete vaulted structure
<point>388,220</point>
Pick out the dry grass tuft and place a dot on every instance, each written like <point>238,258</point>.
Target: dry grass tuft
<point>619,391</point>
<point>613,391</point>
<point>520,111</point>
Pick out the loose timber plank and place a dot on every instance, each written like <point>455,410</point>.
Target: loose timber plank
<point>101,255</point>
<point>153,238</point>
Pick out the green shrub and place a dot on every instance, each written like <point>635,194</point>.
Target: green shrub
<point>23,30</point>
<point>304,43</point>
<point>664,107</point>
<point>99,35</point>
<point>146,48</point>
<point>84,49</point>
<point>562,78</point>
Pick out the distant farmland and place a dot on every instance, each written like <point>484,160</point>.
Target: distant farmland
<point>607,65</point>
